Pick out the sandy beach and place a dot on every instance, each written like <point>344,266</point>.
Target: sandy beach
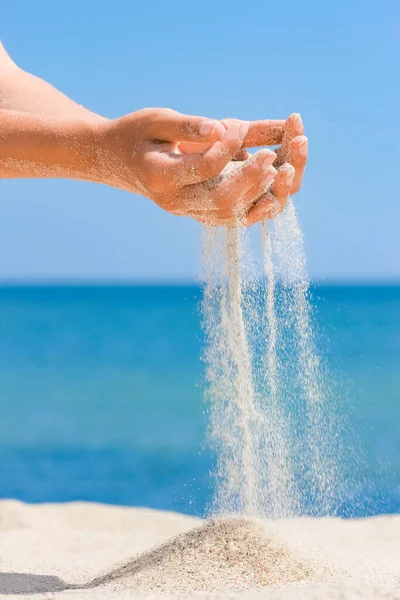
<point>90,551</point>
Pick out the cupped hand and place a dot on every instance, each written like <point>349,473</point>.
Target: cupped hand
<point>145,152</point>
<point>290,161</point>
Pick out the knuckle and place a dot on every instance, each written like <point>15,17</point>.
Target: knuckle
<point>296,159</point>
<point>158,116</point>
<point>275,135</point>
<point>149,114</point>
<point>233,145</point>
<point>145,112</point>
<point>188,126</point>
<point>166,112</point>
<point>163,114</point>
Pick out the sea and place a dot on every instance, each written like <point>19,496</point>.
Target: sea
<point>101,394</point>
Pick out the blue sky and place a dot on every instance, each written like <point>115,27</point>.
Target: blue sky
<point>336,62</point>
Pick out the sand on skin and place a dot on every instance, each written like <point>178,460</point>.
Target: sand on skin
<point>129,552</point>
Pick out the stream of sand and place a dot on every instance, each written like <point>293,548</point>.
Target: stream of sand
<point>272,422</point>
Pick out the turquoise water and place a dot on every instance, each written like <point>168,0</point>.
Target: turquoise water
<point>101,394</point>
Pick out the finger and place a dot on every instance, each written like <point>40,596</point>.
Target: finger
<point>172,126</point>
<point>194,168</point>
<point>283,184</point>
<point>293,127</point>
<point>196,148</point>
<point>247,182</point>
<point>297,157</point>
<point>262,187</point>
<point>232,198</point>
<point>262,133</point>
<point>245,175</point>
<point>267,207</point>
<point>239,210</point>
<point>193,147</point>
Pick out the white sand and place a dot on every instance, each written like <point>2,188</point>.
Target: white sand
<point>129,553</point>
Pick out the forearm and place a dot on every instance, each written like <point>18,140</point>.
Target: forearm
<point>22,91</point>
<point>46,146</point>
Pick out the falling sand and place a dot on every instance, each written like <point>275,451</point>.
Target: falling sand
<point>271,411</point>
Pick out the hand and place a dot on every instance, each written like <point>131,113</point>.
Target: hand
<point>290,162</point>
<point>144,152</point>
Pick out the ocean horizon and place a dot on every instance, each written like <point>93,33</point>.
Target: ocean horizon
<point>102,392</point>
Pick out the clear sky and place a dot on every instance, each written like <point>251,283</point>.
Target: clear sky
<point>335,61</point>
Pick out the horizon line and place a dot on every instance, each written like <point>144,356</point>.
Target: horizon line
<point>77,282</point>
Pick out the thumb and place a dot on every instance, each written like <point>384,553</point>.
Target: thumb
<point>171,126</point>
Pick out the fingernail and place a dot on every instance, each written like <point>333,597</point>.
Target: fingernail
<point>268,160</point>
<point>289,177</point>
<point>297,121</point>
<point>269,178</point>
<point>243,129</point>
<point>207,128</point>
<point>303,147</point>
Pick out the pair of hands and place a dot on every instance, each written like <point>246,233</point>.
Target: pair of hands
<point>176,160</point>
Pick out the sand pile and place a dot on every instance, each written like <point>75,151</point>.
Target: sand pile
<point>221,555</point>
<point>57,551</point>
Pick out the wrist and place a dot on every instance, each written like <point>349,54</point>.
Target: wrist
<point>115,150</point>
